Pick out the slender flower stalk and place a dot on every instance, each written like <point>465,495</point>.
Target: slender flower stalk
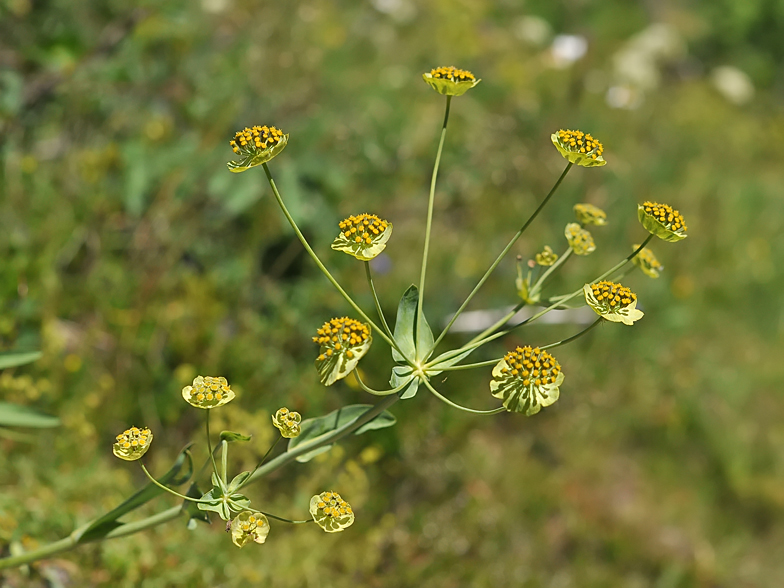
<point>502,254</point>
<point>446,400</point>
<point>376,300</point>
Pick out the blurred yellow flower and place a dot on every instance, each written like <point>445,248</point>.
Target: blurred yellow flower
<point>661,220</point>
<point>208,392</point>
<point>132,444</point>
<point>580,240</point>
<point>287,422</point>
<point>546,257</point>
<point>588,214</point>
<point>647,262</point>
<point>578,147</point>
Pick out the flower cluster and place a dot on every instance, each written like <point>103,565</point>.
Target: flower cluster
<point>527,379</point>
<point>588,214</point>
<point>578,147</point>
<point>364,236</point>
<point>256,145</point>
<point>343,342</point>
<point>287,422</point>
<point>132,444</point>
<point>647,262</point>
<point>331,512</point>
<point>661,220</point>
<point>580,240</point>
<point>450,81</point>
<point>249,526</point>
<point>208,392</point>
<point>547,257</point>
<point>613,302</point>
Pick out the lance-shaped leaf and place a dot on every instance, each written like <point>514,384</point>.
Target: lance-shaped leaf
<point>343,342</point>
<point>412,333</point>
<point>178,474</point>
<point>404,374</point>
<point>316,429</point>
<point>11,359</point>
<point>527,379</point>
<point>13,415</point>
<point>364,236</point>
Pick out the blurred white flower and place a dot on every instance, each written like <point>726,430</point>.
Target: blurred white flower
<point>566,49</point>
<point>533,30</point>
<point>733,84</point>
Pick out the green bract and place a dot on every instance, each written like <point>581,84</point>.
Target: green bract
<point>256,145</point>
<point>364,236</point>
<point>249,526</point>
<point>331,512</point>
<point>450,81</point>
<point>647,262</point>
<point>546,257</point>
<point>523,285</point>
<point>344,341</point>
<point>588,214</point>
<point>580,240</point>
<point>661,220</point>
<point>287,422</point>
<point>208,392</point>
<point>579,148</point>
<point>613,302</point>
<point>527,379</point>
<point>132,444</point>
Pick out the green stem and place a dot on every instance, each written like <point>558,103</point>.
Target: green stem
<point>376,300</point>
<point>573,337</point>
<point>277,518</point>
<point>377,392</point>
<point>463,408</point>
<point>209,443</point>
<point>420,303</point>
<point>502,254</point>
<point>498,324</point>
<point>540,282</point>
<point>261,462</point>
<point>224,461</point>
<point>470,366</point>
<point>162,487</point>
<point>316,259</point>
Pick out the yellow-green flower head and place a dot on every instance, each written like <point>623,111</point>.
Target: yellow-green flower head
<point>287,422</point>
<point>256,145</point>
<point>208,392</point>
<point>588,214</point>
<point>647,262</point>
<point>546,257</point>
<point>527,379</point>
<point>580,240</point>
<point>132,444</point>
<point>249,526</point>
<point>613,302</point>
<point>579,148</point>
<point>364,236</point>
<point>331,512</point>
<point>661,220</point>
<point>344,341</point>
<point>450,81</point>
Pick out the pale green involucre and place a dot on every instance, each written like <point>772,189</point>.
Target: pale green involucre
<point>256,145</point>
<point>331,512</point>
<point>132,443</point>
<point>343,342</point>
<point>578,147</point>
<point>613,302</point>
<point>287,422</point>
<point>523,285</point>
<point>208,392</point>
<point>661,220</point>
<point>363,236</point>
<point>588,214</point>
<point>647,262</point>
<point>249,526</point>
<point>527,379</point>
<point>450,81</point>
<point>580,240</point>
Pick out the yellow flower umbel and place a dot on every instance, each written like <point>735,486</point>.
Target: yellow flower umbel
<point>208,392</point>
<point>450,81</point>
<point>661,220</point>
<point>647,262</point>
<point>580,240</point>
<point>588,214</point>
<point>613,302</point>
<point>527,379</point>
<point>364,236</point>
<point>256,145</point>
<point>132,444</point>
<point>287,422</point>
<point>249,526</point>
<point>331,512</point>
<point>578,147</point>
<point>546,257</point>
<point>344,341</point>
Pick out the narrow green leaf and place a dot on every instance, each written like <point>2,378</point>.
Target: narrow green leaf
<point>238,480</point>
<point>405,324</point>
<point>316,428</point>
<point>424,341</point>
<point>14,415</point>
<point>177,475</point>
<point>10,359</point>
<point>231,436</point>
<point>402,374</point>
<point>439,365</point>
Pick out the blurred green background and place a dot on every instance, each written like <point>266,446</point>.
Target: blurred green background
<point>136,261</point>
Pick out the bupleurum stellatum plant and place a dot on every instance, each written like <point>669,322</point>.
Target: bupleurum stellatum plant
<point>525,379</point>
